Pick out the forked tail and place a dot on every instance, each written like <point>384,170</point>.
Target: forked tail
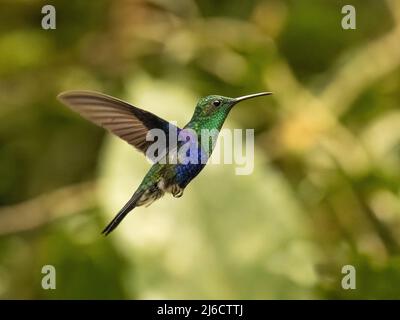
<point>123,212</point>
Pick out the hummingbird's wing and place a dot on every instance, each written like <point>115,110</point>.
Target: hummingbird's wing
<point>121,118</point>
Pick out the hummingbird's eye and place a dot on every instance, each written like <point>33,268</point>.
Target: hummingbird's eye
<point>216,103</point>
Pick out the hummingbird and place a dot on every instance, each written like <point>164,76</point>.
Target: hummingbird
<point>133,125</point>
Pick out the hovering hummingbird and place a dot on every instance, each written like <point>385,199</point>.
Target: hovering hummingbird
<point>133,124</point>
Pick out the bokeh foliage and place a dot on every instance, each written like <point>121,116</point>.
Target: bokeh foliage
<point>325,191</point>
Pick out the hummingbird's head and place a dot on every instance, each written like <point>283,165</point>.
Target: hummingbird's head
<point>215,105</point>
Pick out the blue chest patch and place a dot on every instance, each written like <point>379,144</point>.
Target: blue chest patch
<point>186,172</point>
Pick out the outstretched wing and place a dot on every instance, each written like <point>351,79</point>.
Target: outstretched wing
<point>121,118</point>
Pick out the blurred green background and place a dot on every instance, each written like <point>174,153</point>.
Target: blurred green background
<point>325,191</point>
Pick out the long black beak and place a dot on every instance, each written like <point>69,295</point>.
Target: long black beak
<point>250,96</point>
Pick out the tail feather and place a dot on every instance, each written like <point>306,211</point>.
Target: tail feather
<point>131,204</point>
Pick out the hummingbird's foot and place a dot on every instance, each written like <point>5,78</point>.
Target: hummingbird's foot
<point>176,191</point>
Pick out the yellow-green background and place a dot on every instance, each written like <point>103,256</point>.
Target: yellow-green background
<point>325,191</point>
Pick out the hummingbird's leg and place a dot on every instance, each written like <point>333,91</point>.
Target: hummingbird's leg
<point>176,191</point>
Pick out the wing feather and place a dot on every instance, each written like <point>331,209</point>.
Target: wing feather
<point>119,117</point>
